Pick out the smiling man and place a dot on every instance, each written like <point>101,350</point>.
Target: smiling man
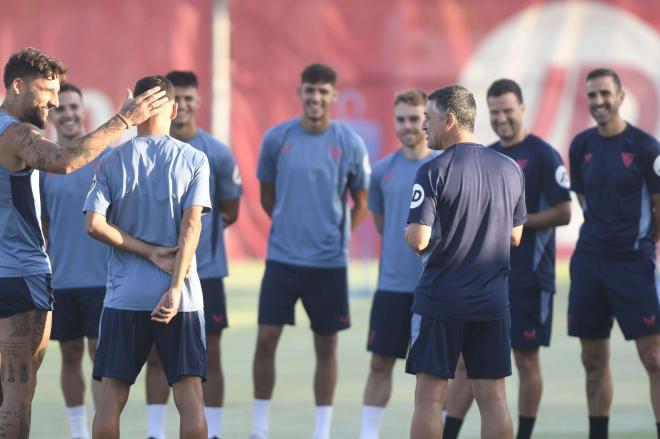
<point>615,172</point>
<point>307,166</point>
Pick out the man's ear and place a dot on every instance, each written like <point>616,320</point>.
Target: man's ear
<point>175,108</point>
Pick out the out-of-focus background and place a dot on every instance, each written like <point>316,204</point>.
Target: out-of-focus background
<point>248,55</point>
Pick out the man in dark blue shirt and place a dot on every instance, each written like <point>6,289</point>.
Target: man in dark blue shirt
<point>615,172</point>
<point>532,277</point>
<point>467,209</point>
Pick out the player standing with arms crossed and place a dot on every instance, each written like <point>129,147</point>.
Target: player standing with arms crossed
<point>615,172</point>
<point>400,267</point>
<point>306,167</point>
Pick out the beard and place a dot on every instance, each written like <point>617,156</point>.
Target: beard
<point>34,117</point>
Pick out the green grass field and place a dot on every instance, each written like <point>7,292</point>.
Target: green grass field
<point>563,410</point>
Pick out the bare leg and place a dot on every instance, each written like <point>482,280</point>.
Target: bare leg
<point>189,400</point>
<point>214,387</point>
<point>71,375</point>
<point>158,390</point>
<point>459,396</point>
<point>96,385</point>
<point>495,417</point>
<point>430,393</point>
<point>263,366</point>
<point>325,376</point>
<point>379,383</point>
<point>596,362</point>
<point>23,341</point>
<point>648,348</point>
<point>531,381</point>
<point>112,399</point>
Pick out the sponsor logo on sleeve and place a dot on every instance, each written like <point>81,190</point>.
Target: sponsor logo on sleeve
<point>656,166</point>
<point>417,196</point>
<point>562,177</point>
<point>236,176</point>
<point>365,164</point>
<point>93,185</point>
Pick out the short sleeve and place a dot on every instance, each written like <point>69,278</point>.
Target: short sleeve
<point>556,183</point>
<point>360,173</point>
<point>376,201</point>
<point>652,165</point>
<point>267,167</point>
<point>424,201</point>
<point>575,163</point>
<point>228,177</point>
<point>42,195</point>
<point>520,211</point>
<point>99,196</point>
<point>198,193</point>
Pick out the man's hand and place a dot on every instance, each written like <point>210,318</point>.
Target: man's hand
<point>135,111</point>
<point>168,306</point>
<point>164,258</point>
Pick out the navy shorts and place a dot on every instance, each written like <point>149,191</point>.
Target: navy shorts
<point>435,346</point>
<point>77,313</point>
<point>323,291</point>
<point>215,305</point>
<point>389,324</point>
<point>27,293</point>
<point>531,317</point>
<point>126,338</point>
<point>607,286</point>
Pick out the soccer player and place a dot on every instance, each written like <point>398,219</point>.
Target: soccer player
<point>80,263</point>
<point>400,267</point>
<point>225,190</point>
<point>532,276</point>
<point>467,209</point>
<point>615,172</point>
<point>32,81</point>
<point>306,167</point>
<point>147,199</point>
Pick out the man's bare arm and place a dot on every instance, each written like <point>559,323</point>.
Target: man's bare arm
<point>35,151</point>
<point>655,200</point>
<point>516,235</point>
<point>379,221</point>
<point>229,211</point>
<point>267,197</point>
<point>553,216</point>
<point>418,237</point>
<point>98,228</point>
<point>359,211</point>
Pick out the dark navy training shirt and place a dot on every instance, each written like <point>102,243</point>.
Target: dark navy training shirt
<point>546,184</point>
<point>472,197</point>
<point>617,176</point>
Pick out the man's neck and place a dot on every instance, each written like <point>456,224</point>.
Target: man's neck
<point>518,138</point>
<point>153,129</point>
<point>613,128</point>
<point>460,137</point>
<point>416,152</point>
<point>183,132</point>
<point>10,107</point>
<point>315,125</point>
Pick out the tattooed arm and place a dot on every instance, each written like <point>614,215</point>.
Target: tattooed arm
<point>32,149</point>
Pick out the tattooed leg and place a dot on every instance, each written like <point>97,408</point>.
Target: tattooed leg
<point>23,341</point>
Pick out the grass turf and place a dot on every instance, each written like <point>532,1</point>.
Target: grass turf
<point>563,409</point>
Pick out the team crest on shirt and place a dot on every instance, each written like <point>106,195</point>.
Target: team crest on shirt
<point>522,163</point>
<point>587,157</point>
<point>335,152</point>
<point>561,175</point>
<point>387,177</point>
<point>287,148</point>
<point>656,166</point>
<point>417,196</point>
<point>627,158</point>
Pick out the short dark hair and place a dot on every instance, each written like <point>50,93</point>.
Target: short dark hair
<point>601,72</point>
<point>318,73</point>
<point>503,86</point>
<point>413,97</point>
<point>183,78</point>
<point>30,62</point>
<point>458,101</point>
<point>148,82</point>
<point>67,86</point>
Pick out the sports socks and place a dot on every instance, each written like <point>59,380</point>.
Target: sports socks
<point>78,421</point>
<point>452,427</point>
<point>598,427</point>
<point>525,427</point>
<point>213,417</point>
<point>372,417</point>
<point>260,408</point>
<point>323,420</point>
<point>156,420</point>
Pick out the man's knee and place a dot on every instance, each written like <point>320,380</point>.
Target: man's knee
<point>267,338</point>
<point>72,352</point>
<point>382,365</point>
<point>153,362</point>
<point>527,361</point>
<point>188,394</point>
<point>594,361</point>
<point>325,347</point>
<point>651,361</point>
<point>213,351</point>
